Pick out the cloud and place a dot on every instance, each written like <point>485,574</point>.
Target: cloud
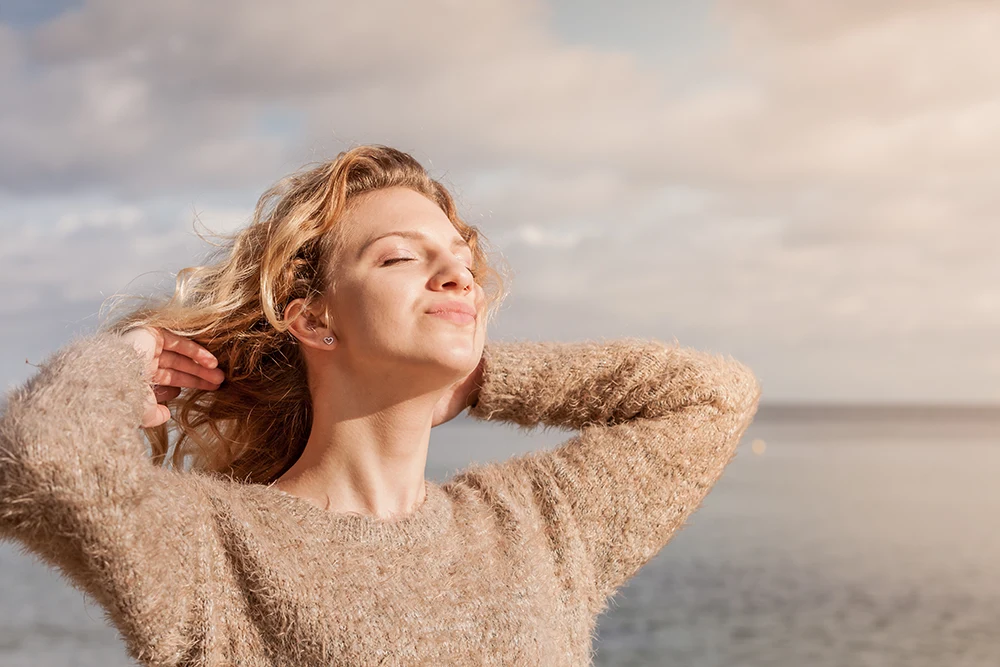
<point>122,219</point>
<point>82,256</point>
<point>218,220</point>
<point>169,95</point>
<point>819,183</point>
<point>547,238</point>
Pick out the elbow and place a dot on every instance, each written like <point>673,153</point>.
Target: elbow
<point>686,377</point>
<point>738,390</point>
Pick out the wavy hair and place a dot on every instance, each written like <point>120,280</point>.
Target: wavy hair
<point>255,426</point>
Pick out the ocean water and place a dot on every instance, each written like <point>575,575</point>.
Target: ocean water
<point>824,544</point>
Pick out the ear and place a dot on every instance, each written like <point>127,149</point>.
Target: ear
<point>308,327</point>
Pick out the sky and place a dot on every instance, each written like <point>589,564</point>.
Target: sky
<point>810,188</point>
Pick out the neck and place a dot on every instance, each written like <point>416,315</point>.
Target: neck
<point>366,453</point>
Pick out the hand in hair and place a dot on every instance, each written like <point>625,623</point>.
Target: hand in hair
<point>173,362</point>
<point>461,395</point>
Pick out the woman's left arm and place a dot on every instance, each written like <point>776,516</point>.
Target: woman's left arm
<point>658,424</point>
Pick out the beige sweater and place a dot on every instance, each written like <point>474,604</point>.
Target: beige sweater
<point>508,563</point>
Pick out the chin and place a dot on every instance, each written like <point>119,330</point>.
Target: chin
<point>461,358</point>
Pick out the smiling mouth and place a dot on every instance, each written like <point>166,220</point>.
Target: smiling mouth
<point>454,316</point>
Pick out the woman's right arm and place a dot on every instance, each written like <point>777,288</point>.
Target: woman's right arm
<point>78,490</point>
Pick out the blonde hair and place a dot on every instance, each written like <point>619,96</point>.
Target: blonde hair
<point>255,426</point>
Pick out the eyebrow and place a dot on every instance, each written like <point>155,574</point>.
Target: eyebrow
<point>456,242</point>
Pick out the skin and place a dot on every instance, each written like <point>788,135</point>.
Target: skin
<point>393,370</point>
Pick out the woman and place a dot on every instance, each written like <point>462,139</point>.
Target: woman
<point>305,369</point>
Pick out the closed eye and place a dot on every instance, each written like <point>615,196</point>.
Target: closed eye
<point>396,259</point>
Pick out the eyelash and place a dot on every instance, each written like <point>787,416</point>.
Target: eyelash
<point>393,260</point>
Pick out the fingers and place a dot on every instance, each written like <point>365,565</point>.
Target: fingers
<point>154,416</point>
<point>188,348</point>
<point>164,394</point>
<point>174,378</point>
<point>185,364</point>
<point>180,363</point>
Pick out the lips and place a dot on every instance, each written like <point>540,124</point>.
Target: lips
<point>456,310</point>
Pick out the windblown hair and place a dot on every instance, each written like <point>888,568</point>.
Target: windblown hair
<point>255,426</point>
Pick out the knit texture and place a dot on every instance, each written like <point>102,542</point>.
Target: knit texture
<point>507,563</point>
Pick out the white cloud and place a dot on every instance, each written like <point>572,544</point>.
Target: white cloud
<point>827,187</point>
<point>122,218</point>
<point>84,255</point>
<point>538,237</point>
<point>218,220</point>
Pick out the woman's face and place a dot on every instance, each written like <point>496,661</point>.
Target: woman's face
<point>402,259</point>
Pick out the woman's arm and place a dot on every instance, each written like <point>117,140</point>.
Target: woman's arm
<point>77,489</point>
<point>658,424</point>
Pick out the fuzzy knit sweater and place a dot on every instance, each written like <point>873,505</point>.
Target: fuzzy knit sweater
<point>508,563</point>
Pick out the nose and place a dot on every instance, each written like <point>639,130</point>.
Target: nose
<point>454,274</point>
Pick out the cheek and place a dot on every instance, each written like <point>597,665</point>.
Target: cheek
<point>383,304</point>
<point>481,333</point>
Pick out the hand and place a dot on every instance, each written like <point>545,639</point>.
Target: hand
<point>172,362</point>
<point>459,396</point>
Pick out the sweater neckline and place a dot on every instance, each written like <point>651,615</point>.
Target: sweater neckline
<point>424,523</point>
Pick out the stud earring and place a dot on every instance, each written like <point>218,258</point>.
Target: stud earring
<point>328,340</point>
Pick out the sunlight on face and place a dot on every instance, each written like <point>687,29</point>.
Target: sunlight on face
<point>402,258</point>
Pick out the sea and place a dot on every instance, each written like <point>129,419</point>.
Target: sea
<point>834,538</point>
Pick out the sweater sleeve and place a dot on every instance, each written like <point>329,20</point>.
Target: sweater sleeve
<point>78,490</point>
<point>657,424</point>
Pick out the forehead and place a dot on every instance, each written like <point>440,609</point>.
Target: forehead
<point>394,209</point>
